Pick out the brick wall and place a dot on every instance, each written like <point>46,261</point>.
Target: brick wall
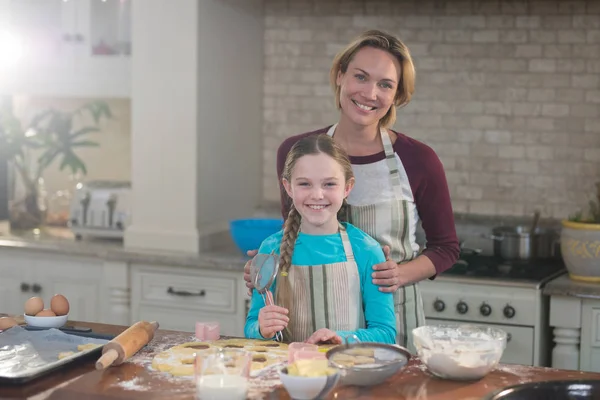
<point>507,92</point>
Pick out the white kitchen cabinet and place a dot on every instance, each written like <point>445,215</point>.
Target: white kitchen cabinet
<point>67,48</point>
<point>179,297</point>
<point>576,323</point>
<point>97,290</point>
<point>15,286</point>
<point>590,336</point>
<point>79,280</point>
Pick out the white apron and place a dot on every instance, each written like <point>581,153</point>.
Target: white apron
<point>326,296</point>
<point>389,223</point>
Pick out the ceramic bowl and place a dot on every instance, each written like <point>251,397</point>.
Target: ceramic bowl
<point>308,388</point>
<point>459,352</point>
<point>46,322</point>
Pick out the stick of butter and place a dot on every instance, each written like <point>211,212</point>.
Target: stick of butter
<point>310,368</point>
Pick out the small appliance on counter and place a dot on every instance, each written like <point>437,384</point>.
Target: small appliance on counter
<point>101,209</point>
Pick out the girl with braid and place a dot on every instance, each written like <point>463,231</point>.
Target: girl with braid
<point>323,289</point>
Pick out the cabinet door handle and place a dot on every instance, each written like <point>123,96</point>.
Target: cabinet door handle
<point>508,337</point>
<point>36,288</point>
<point>185,293</point>
<point>25,287</point>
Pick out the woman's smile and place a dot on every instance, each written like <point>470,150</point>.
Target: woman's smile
<point>363,106</point>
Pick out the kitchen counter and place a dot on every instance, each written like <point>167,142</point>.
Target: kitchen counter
<point>565,286</point>
<point>223,256</point>
<point>134,380</point>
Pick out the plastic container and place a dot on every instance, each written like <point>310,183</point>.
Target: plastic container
<point>248,234</point>
<point>459,352</point>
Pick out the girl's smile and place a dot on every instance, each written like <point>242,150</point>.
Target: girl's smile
<point>318,188</point>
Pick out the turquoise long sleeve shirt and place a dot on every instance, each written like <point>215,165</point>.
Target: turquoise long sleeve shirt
<point>378,307</point>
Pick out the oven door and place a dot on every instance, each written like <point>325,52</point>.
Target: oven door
<point>519,346</point>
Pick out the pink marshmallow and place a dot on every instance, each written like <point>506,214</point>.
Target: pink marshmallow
<point>208,331</point>
<point>212,331</point>
<point>200,331</point>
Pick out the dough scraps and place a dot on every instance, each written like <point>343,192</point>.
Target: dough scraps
<point>80,348</point>
<point>88,346</point>
<point>179,360</point>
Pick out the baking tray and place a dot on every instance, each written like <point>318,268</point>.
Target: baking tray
<point>29,353</point>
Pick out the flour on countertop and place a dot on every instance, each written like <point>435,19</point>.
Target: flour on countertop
<point>258,387</point>
<point>133,384</point>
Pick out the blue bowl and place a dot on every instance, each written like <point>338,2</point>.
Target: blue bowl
<point>248,234</point>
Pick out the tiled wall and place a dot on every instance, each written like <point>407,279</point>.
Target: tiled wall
<point>507,92</point>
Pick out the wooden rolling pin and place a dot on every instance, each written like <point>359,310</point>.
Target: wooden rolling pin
<point>126,344</point>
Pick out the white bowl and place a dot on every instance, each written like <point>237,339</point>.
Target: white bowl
<point>308,388</point>
<point>459,352</point>
<point>46,322</point>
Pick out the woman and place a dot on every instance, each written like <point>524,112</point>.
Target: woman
<point>399,180</point>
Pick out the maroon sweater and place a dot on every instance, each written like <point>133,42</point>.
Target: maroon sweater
<point>430,190</point>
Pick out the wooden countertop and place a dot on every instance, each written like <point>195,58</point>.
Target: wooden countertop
<point>134,380</point>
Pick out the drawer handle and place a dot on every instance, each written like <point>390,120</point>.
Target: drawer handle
<point>170,290</point>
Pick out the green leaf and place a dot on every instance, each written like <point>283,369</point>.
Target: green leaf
<point>85,143</point>
<point>37,120</point>
<point>72,161</point>
<point>54,136</point>
<point>84,131</point>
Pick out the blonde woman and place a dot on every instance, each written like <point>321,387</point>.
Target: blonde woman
<point>399,181</point>
<point>323,289</point>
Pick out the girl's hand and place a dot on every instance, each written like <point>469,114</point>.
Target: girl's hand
<point>323,336</point>
<point>272,319</point>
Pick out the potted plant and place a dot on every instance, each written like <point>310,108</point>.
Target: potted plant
<point>30,149</point>
<point>580,242</point>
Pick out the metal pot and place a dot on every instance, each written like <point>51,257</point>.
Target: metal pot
<point>513,243</point>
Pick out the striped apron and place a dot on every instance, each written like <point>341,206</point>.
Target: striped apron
<point>326,296</point>
<point>389,222</point>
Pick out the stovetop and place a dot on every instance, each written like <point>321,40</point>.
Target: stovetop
<point>492,268</point>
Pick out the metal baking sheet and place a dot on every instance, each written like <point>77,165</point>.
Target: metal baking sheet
<point>28,354</point>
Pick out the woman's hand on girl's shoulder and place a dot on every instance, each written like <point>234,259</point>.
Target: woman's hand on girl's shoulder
<point>386,274</point>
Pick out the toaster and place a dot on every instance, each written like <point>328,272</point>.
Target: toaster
<point>101,209</point>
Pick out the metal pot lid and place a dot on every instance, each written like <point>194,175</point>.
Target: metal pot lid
<point>518,230</point>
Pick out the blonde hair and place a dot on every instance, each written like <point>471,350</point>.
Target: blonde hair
<point>378,40</point>
<point>310,145</point>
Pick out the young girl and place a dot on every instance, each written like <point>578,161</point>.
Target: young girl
<point>323,289</point>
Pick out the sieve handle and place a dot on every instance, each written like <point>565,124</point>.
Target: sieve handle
<point>351,336</point>
<point>269,302</point>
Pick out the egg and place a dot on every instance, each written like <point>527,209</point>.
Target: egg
<point>59,304</point>
<point>34,305</point>
<point>7,322</point>
<point>45,313</point>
